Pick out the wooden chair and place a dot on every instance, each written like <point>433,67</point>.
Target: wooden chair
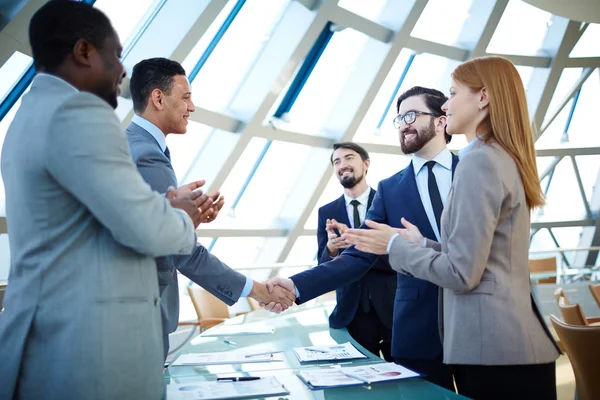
<point>543,265</point>
<point>572,313</point>
<point>595,289</point>
<point>210,310</point>
<point>582,344</point>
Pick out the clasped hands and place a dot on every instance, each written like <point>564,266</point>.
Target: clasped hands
<point>201,207</point>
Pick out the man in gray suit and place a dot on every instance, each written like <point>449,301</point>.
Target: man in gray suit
<point>162,102</point>
<point>81,317</point>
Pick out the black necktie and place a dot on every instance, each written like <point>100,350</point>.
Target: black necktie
<point>434,195</point>
<point>364,298</point>
<point>355,204</point>
<point>167,153</point>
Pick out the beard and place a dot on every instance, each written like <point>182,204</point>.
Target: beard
<point>350,181</point>
<point>423,136</point>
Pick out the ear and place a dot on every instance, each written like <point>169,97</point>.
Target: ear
<point>157,99</point>
<point>441,124</point>
<point>484,100</point>
<point>83,52</point>
<point>367,164</point>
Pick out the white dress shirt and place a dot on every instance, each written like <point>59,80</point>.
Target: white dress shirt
<point>152,129</point>
<point>363,199</point>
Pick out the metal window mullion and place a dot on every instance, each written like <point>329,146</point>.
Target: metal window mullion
<point>581,189</point>
<point>397,88</point>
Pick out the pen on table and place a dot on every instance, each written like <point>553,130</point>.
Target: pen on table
<point>315,350</point>
<point>238,379</point>
<point>230,342</point>
<point>358,378</point>
<point>263,354</point>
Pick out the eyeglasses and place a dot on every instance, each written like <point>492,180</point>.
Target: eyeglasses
<point>409,117</point>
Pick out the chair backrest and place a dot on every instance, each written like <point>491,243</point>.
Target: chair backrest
<point>560,293</point>
<point>572,313</point>
<point>595,289</point>
<point>207,305</point>
<point>254,305</point>
<point>582,344</point>
<point>543,265</point>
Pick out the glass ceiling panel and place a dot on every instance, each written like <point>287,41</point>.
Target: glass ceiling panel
<point>553,135</point>
<point>126,15</point>
<point>238,251</point>
<point>589,167</point>
<point>583,131</point>
<point>303,251</point>
<point>442,21</point>
<point>568,78</point>
<point>11,71</point>
<point>587,46</point>
<point>227,67</point>
<point>327,80</point>
<point>368,9</point>
<point>521,31</point>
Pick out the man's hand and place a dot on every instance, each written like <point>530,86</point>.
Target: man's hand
<point>374,240</point>
<point>334,242</point>
<point>188,188</point>
<point>217,203</point>
<point>411,233</point>
<point>273,286</point>
<point>189,203</point>
<point>279,298</point>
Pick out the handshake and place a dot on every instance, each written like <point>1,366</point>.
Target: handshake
<point>275,295</point>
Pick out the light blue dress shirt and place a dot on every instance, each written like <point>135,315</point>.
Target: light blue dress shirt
<point>162,142</point>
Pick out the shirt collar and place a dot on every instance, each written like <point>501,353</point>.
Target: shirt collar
<point>151,129</point>
<point>444,158</point>
<point>363,198</point>
<point>468,148</point>
<point>50,76</point>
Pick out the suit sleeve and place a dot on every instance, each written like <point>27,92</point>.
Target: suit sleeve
<point>88,155</point>
<point>322,238</point>
<point>475,210</point>
<point>212,274</point>
<point>346,268</point>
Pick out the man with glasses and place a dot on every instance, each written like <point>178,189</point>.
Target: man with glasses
<point>416,193</point>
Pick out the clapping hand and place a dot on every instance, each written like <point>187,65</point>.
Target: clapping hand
<point>335,242</point>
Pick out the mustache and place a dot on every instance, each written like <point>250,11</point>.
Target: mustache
<point>409,130</point>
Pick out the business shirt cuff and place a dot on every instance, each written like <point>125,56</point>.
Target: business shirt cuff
<point>247,287</point>
<point>297,291</point>
<point>389,246</point>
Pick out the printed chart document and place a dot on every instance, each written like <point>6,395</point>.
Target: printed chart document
<point>225,357</point>
<point>238,330</point>
<point>344,351</point>
<point>264,387</point>
<point>349,376</point>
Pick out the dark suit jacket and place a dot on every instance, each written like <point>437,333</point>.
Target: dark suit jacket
<point>415,333</point>
<point>379,283</point>
<point>201,267</point>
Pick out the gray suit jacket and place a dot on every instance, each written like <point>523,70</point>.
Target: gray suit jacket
<point>201,267</point>
<point>81,317</point>
<point>489,317</point>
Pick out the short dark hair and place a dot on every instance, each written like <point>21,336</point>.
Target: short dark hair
<point>350,146</point>
<point>57,26</point>
<point>150,74</point>
<point>434,100</point>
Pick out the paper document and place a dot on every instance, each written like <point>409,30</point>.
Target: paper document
<point>349,376</point>
<point>238,330</point>
<point>344,351</point>
<point>264,387</point>
<point>225,357</point>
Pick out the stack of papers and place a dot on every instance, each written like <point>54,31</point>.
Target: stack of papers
<point>238,330</point>
<point>351,376</point>
<point>225,357</point>
<point>344,351</point>
<point>264,387</point>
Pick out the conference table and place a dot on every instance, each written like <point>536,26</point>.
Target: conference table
<point>300,326</point>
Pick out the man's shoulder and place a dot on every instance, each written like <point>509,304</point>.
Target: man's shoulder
<point>141,144</point>
<point>331,204</point>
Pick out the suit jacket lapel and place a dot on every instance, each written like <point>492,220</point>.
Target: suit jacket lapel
<point>371,197</point>
<point>408,191</point>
